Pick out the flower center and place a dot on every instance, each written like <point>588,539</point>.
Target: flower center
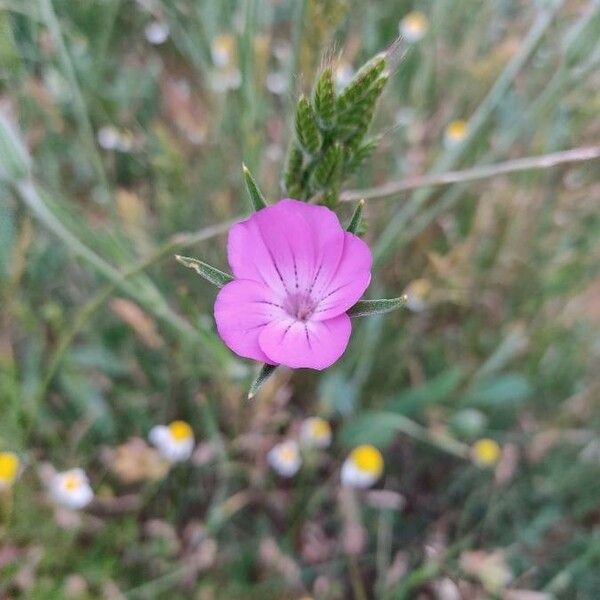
<point>320,428</point>
<point>180,430</point>
<point>300,306</point>
<point>9,465</point>
<point>367,458</point>
<point>72,483</point>
<point>287,454</point>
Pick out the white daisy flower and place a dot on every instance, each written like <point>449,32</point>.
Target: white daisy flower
<point>277,83</point>
<point>71,489</point>
<point>175,441</point>
<point>315,433</point>
<point>222,50</point>
<point>455,133</point>
<point>157,32</point>
<point>108,137</point>
<point>285,458</point>
<point>414,26</point>
<point>362,468</point>
<point>9,469</point>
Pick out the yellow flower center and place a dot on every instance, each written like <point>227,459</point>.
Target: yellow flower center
<point>180,431</point>
<point>72,482</point>
<point>415,22</point>
<point>320,428</point>
<point>9,466</point>
<point>367,458</point>
<point>287,454</point>
<point>486,451</point>
<point>222,48</point>
<point>457,130</point>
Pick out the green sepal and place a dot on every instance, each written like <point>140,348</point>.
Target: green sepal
<point>265,372</point>
<point>307,130</point>
<point>212,274</point>
<point>256,196</point>
<point>356,220</point>
<point>357,158</point>
<point>292,177</point>
<point>366,308</point>
<point>329,168</point>
<point>361,83</point>
<point>324,99</point>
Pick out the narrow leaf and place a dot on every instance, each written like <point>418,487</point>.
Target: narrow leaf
<point>265,372</point>
<point>365,308</point>
<point>215,276</point>
<point>256,196</point>
<point>15,162</point>
<point>356,220</point>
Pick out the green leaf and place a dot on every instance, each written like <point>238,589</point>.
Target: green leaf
<point>15,163</point>
<point>256,196</point>
<point>365,308</point>
<point>264,374</point>
<point>368,428</point>
<point>356,220</point>
<point>212,274</point>
<point>504,391</point>
<point>433,391</point>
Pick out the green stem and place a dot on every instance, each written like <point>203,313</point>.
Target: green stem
<point>81,115</point>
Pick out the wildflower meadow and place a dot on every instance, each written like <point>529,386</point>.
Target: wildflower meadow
<point>299,300</point>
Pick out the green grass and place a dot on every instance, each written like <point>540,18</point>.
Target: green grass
<point>510,330</point>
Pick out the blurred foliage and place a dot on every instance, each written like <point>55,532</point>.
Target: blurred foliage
<point>137,149</point>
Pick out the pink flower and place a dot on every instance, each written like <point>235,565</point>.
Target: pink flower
<point>296,272</point>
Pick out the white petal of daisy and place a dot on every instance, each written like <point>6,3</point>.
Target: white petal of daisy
<point>71,489</point>
<point>285,458</point>
<point>175,441</point>
<point>108,137</point>
<point>315,432</point>
<point>362,468</point>
<point>157,32</point>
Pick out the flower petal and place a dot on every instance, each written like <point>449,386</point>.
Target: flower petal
<point>290,246</point>
<point>310,344</point>
<point>349,282</point>
<point>242,309</point>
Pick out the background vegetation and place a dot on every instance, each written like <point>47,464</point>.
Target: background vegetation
<point>103,334</point>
